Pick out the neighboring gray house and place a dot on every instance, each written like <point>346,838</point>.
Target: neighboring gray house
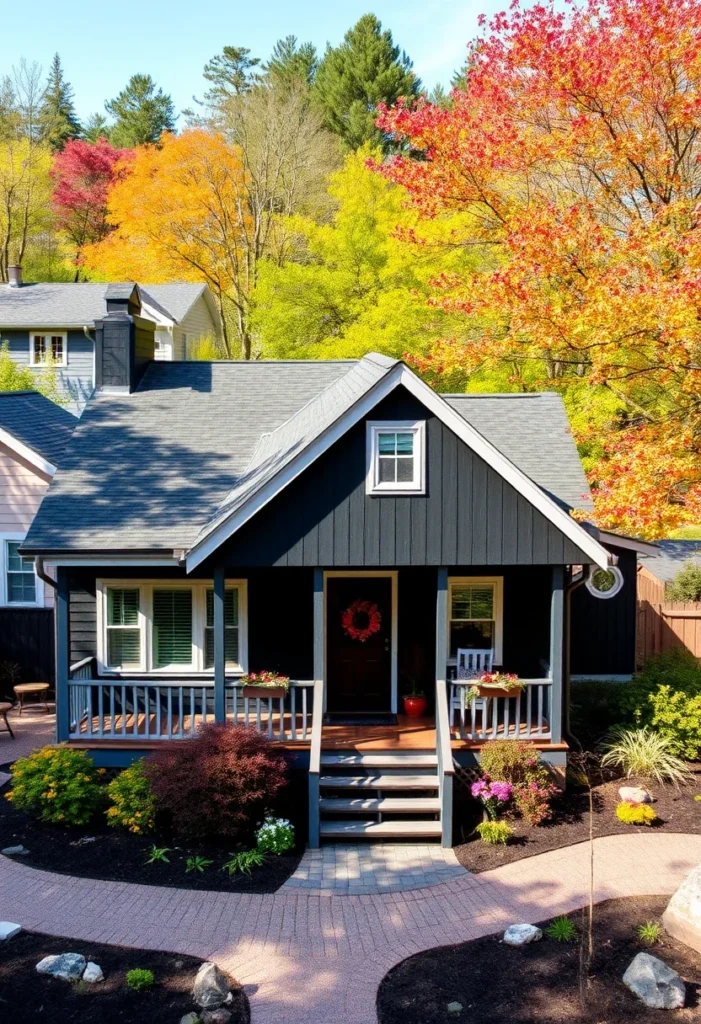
<point>59,318</point>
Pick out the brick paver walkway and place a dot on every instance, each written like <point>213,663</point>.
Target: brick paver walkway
<point>318,959</point>
<point>364,868</point>
<point>32,729</point>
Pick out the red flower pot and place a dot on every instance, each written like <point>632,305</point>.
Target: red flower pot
<point>414,707</point>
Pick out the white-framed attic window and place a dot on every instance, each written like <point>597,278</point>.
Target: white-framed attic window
<point>163,627</point>
<point>48,348</point>
<point>396,457</point>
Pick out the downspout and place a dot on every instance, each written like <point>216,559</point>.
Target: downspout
<point>88,335</point>
<point>42,574</point>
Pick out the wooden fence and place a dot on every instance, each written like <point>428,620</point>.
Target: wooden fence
<point>26,640</point>
<point>661,624</point>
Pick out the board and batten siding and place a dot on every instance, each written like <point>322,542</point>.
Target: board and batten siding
<point>469,515</point>
<point>602,630</point>
<point>22,487</point>
<point>76,379</point>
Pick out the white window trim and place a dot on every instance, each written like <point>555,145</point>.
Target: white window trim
<point>498,584</point>
<point>38,583</point>
<point>51,334</point>
<point>146,588</point>
<point>372,484</point>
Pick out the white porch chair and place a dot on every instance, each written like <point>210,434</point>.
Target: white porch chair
<point>470,664</point>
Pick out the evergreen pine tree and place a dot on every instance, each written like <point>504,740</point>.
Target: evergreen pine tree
<point>366,69</point>
<point>95,128</point>
<point>231,73</point>
<point>292,64</point>
<point>58,121</point>
<point>141,113</point>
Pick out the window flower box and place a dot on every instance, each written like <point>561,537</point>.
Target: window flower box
<point>497,684</point>
<point>264,686</point>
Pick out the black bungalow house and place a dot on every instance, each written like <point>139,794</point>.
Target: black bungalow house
<point>342,524</point>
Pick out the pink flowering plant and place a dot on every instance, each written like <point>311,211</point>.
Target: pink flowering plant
<point>494,796</point>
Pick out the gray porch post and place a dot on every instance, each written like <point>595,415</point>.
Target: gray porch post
<point>442,624</point>
<point>219,647</point>
<point>63,721</point>
<point>317,709</point>
<point>443,745</point>
<point>557,651</point>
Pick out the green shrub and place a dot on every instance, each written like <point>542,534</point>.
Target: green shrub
<point>133,805</point>
<point>140,979</point>
<point>512,761</point>
<point>677,716</point>
<point>649,933</point>
<point>686,585</point>
<point>244,861</point>
<point>275,835</point>
<point>635,814</point>
<point>561,930</point>
<point>59,785</point>
<point>496,833</point>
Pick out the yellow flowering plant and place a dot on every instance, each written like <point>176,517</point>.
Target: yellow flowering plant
<point>132,802</point>
<point>58,785</point>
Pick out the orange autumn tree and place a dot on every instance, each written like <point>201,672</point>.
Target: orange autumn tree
<point>575,142</point>
<point>180,212</point>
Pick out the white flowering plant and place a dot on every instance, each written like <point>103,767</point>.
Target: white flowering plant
<point>275,835</point>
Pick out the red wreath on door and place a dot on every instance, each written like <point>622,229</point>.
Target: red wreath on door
<point>361,619</point>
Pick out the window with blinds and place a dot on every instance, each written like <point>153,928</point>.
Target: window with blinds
<point>472,617</point>
<point>172,628</point>
<point>123,628</point>
<point>231,629</point>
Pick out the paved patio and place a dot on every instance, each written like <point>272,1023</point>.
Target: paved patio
<point>307,958</point>
<point>32,729</point>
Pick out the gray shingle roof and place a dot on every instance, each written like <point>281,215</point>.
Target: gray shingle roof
<point>671,556</point>
<point>79,304</point>
<point>162,467</point>
<point>533,431</point>
<point>37,422</point>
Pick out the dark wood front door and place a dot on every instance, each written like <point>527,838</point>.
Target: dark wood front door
<point>358,643</point>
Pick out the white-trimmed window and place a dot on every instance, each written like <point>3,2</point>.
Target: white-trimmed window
<point>47,348</point>
<point>165,628</point>
<point>19,585</point>
<point>475,614</point>
<point>396,460</point>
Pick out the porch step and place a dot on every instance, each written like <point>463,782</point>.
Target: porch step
<point>398,781</point>
<point>408,760</point>
<point>383,805</point>
<point>379,829</point>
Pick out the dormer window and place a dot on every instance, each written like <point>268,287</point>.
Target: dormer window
<point>396,462</point>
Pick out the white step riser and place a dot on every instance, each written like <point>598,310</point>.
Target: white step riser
<point>388,805</point>
<point>401,761</point>
<point>379,781</point>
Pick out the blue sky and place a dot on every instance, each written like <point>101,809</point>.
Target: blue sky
<point>101,44</point>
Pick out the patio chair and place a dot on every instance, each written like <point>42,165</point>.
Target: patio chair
<point>5,706</point>
<point>471,663</point>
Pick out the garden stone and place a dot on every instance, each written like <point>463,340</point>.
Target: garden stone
<point>8,930</point>
<point>454,1007</point>
<point>69,966</point>
<point>93,973</point>
<point>210,989</point>
<point>522,934</point>
<point>653,982</point>
<point>635,795</point>
<point>682,918</point>
<point>220,1016</point>
<point>190,1018</point>
<point>14,851</point>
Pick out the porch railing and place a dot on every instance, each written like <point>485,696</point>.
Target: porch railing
<point>527,715</point>
<point>153,710</point>
<point>446,767</point>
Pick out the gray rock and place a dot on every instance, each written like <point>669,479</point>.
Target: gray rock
<point>14,851</point>
<point>635,794</point>
<point>454,1007</point>
<point>210,989</point>
<point>69,966</point>
<point>682,918</point>
<point>190,1018</point>
<point>8,930</point>
<point>220,1016</point>
<point>522,934</point>
<point>93,973</point>
<point>653,982</point>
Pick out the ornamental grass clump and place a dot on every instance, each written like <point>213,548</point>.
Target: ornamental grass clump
<point>275,835</point>
<point>133,805</point>
<point>635,814</point>
<point>645,754</point>
<point>59,785</point>
<point>496,833</point>
<point>218,784</point>
<point>561,930</point>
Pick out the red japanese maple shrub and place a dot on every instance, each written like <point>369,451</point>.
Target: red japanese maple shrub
<point>217,784</point>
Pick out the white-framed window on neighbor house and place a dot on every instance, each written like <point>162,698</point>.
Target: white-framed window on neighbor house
<point>20,586</point>
<point>167,628</point>
<point>48,347</point>
<point>396,457</point>
<point>475,614</point>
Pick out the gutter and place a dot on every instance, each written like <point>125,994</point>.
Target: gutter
<point>42,574</point>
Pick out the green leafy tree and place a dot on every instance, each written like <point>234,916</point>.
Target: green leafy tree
<point>353,78</point>
<point>58,121</point>
<point>14,377</point>
<point>142,112</point>
<point>96,127</point>
<point>292,64</point>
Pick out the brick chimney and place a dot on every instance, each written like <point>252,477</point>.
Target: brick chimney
<point>124,341</point>
<point>14,276</point>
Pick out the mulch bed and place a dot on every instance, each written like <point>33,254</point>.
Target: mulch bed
<point>676,809</point>
<point>28,996</point>
<point>112,854</point>
<point>539,983</point>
